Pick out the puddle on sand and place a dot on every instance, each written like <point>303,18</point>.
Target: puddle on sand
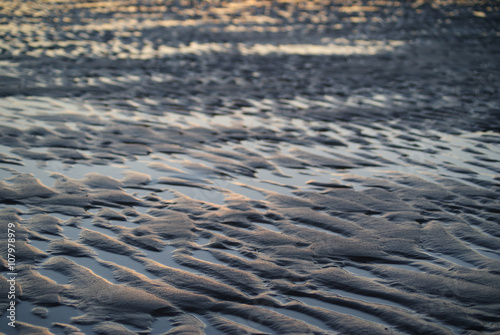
<point>86,262</point>
<point>281,298</point>
<point>488,253</point>
<point>62,217</point>
<point>267,226</point>
<point>42,245</point>
<point>209,329</point>
<point>78,170</point>
<point>491,254</point>
<point>144,210</point>
<point>202,241</point>
<point>22,208</point>
<point>138,193</point>
<point>207,256</point>
<point>54,275</point>
<point>94,266</point>
<point>160,326</point>
<point>126,224</point>
<point>71,232</point>
<point>87,224</point>
<point>165,257</point>
<point>30,166</point>
<point>406,267</point>
<point>59,314</point>
<point>123,260</point>
<point>359,272</point>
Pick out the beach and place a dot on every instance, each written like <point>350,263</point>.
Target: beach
<point>249,167</point>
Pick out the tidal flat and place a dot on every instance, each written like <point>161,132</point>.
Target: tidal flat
<point>250,167</point>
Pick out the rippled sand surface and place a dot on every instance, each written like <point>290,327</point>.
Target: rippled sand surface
<point>251,167</point>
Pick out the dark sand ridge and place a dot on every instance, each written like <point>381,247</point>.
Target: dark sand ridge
<point>283,168</point>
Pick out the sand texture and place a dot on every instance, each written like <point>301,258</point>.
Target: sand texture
<point>250,167</point>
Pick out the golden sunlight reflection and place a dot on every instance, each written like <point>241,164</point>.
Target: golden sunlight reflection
<point>338,47</point>
<point>117,49</point>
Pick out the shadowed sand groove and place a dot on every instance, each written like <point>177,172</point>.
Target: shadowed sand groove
<point>251,167</point>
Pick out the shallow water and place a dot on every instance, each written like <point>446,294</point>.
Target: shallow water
<point>60,314</point>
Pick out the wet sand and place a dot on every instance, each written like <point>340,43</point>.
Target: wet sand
<point>250,168</point>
